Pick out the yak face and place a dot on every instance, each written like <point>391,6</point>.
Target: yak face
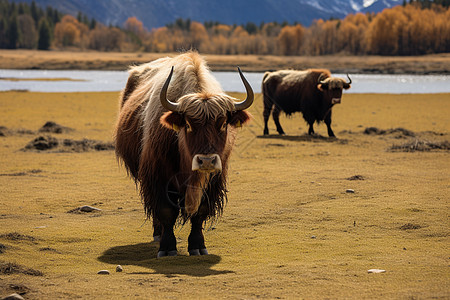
<point>205,125</point>
<point>331,88</point>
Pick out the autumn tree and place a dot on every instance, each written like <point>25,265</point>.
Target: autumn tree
<point>290,40</point>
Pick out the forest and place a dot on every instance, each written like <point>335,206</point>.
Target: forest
<point>415,28</point>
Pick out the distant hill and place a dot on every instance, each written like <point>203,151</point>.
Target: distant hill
<point>157,13</point>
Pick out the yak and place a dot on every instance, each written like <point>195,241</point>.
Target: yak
<point>175,131</point>
<point>313,92</point>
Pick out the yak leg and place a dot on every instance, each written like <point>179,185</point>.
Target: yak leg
<point>266,115</point>
<point>276,118</point>
<point>328,123</point>
<point>311,126</point>
<point>196,240</point>
<point>157,230</point>
<point>167,215</point>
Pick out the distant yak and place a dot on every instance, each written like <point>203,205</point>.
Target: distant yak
<point>175,132</point>
<point>312,92</point>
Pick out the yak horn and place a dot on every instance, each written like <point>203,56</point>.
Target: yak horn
<point>166,103</point>
<point>320,79</point>
<point>250,97</point>
<point>350,80</point>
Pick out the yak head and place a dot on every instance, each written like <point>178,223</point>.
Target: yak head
<point>206,125</point>
<point>332,88</point>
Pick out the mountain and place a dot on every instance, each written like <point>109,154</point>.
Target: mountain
<point>157,13</point>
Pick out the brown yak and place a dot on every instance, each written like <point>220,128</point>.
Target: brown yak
<point>175,131</point>
<point>313,92</point>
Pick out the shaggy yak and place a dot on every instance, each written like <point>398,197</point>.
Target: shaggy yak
<point>175,131</point>
<point>313,92</point>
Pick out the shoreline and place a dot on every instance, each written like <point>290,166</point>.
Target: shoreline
<point>436,64</point>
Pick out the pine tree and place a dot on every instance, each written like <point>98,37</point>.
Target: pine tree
<point>44,35</point>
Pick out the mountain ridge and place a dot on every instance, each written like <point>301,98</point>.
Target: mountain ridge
<point>158,13</point>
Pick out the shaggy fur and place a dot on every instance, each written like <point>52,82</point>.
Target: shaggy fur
<point>157,146</point>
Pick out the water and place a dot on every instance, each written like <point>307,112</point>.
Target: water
<point>110,81</point>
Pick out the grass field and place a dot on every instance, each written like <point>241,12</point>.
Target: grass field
<point>289,230</point>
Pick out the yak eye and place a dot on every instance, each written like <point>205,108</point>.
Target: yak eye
<point>224,126</point>
<point>188,127</point>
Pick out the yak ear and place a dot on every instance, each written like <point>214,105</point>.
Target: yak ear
<point>172,120</point>
<point>347,86</point>
<point>238,118</point>
<point>320,87</point>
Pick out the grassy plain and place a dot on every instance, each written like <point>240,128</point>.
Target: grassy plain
<point>289,230</point>
<point>92,60</point>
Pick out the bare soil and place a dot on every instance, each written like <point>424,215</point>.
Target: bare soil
<point>290,229</point>
<point>91,60</point>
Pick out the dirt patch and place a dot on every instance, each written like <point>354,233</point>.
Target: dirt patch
<point>52,127</point>
<point>399,132</point>
<point>9,268</point>
<point>5,131</point>
<point>410,226</point>
<point>45,143</point>
<point>15,236</point>
<point>421,146</point>
<point>356,177</point>
<point>25,173</point>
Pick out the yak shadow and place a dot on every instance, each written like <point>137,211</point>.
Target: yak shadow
<point>301,138</point>
<point>144,255</point>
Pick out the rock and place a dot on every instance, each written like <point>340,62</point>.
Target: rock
<point>87,208</point>
<point>350,191</point>
<point>103,272</point>
<point>13,297</point>
<point>376,271</point>
<point>313,236</point>
<point>119,268</point>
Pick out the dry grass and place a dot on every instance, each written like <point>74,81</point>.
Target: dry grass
<point>91,60</point>
<point>289,230</point>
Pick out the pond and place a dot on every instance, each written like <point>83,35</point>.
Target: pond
<point>104,81</point>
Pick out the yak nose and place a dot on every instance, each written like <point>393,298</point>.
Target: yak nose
<point>335,100</point>
<point>206,163</point>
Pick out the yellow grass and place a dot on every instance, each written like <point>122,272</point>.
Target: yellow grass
<point>289,230</point>
<point>92,60</point>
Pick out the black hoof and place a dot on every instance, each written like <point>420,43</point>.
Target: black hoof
<point>195,252</point>
<point>166,253</point>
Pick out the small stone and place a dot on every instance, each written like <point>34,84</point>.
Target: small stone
<point>13,297</point>
<point>119,268</point>
<point>350,191</point>
<point>87,208</point>
<point>313,236</point>
<point>376,271</point>
<point>103,272</point>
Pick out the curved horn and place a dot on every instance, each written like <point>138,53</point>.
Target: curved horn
<point>320,79</point>
<point>250,97</point>
<point>350,80</point>
<point>166,103</point>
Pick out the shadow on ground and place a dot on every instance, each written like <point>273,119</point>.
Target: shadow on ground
<point>144,255</point>
<point>302,138</point>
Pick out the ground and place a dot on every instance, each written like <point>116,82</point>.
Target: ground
<point>290,228</point>
<point>92,60</point>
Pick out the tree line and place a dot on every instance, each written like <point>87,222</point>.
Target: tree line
<point>414,28</point>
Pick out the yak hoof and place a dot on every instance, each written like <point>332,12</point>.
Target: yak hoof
<point>166,253</point>
<point>157,238</point>
<point>195,252</point>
